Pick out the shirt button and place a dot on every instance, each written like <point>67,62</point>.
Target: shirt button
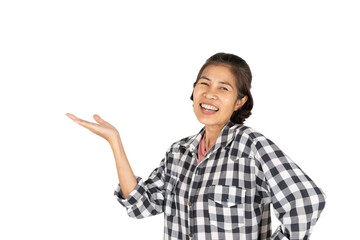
<point>190,204</point>
<point>190,234</point>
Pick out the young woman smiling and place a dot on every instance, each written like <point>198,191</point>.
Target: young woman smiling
<point>220,182</point>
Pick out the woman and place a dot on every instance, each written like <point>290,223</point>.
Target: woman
<point>219,183</point>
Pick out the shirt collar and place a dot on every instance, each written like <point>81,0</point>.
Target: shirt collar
<point>225,137</point>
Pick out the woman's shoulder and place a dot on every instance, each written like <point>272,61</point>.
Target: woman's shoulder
<point>186,141</point>
<point>251,137</point>
<point>248,132</point>
<point>183,141</point>
<point>190,141</point>
<point>254,140</point>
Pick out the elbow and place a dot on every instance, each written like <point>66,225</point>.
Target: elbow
<point>316,205</point>
<point>133,214</point>
<point>321,199</point>
<point>139,213</point>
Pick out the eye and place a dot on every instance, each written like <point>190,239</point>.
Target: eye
<point>204,83</point>
<point>224,88</point>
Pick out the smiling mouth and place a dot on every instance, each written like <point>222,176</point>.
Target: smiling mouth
<point>208,107</point>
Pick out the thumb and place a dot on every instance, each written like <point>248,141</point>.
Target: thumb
<point>98,119</point>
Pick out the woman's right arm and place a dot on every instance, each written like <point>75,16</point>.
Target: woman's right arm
<point>127,179</point>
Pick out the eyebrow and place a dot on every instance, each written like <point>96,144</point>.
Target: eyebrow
<point>223,82</point>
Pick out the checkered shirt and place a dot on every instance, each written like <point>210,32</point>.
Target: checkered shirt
<point>228,194</point>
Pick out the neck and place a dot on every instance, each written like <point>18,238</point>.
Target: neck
<point>211,134</point>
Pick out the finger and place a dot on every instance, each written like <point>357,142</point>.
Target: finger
<point>89,125</point>
<point>99,119</point>
<point>72,116</point>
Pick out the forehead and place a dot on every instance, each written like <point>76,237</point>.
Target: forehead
<point>218,73</point>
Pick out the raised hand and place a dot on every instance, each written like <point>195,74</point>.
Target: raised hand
<point>103,128</point>
<point>127,179</point>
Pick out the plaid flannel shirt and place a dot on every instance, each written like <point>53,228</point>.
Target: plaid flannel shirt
<point>228,194</point>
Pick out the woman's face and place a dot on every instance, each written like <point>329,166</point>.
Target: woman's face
<point>215,96</point>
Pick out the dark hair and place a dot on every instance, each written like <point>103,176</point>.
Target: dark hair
<point>241,71</point>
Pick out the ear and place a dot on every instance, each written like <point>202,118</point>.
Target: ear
<point>240,102</point>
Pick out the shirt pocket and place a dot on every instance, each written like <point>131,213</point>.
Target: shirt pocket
<point>226,206</point>
<point>170,197</point>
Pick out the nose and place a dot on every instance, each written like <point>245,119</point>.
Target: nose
<point>209,94</point>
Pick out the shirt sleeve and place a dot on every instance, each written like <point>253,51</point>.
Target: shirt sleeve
<point>296,200</point>
<point>147,198</point>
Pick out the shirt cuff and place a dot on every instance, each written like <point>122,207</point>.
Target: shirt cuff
<point>134,196</point>
<point>278,235</point>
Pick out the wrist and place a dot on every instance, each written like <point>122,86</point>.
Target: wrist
<point>115,140</point>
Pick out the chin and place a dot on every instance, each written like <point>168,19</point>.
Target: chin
<point>207,121</point>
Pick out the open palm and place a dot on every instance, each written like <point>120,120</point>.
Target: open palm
<point>101,128</point>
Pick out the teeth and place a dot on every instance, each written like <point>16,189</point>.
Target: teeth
<point>209,107</point>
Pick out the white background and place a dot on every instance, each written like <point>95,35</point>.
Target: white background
<point>134,63</point>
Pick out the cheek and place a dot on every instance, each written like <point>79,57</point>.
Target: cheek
<point>196,94</point>
<point>229,102</point>
<point>227,99</point>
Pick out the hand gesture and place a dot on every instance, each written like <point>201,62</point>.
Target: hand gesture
<point>103,129</point>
